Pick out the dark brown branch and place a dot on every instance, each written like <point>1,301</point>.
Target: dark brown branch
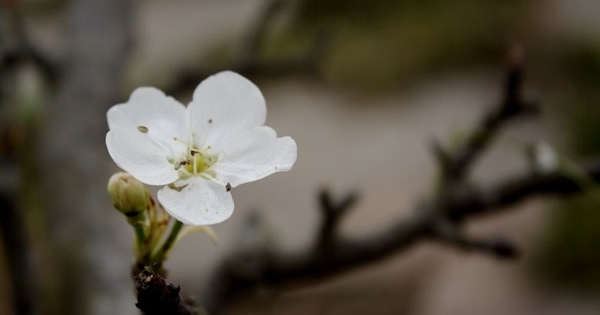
<point>455,165</point>
<point>496,247</point>
<point>346,254</point>
<point>157,296</point>
<point>437,217</point>
<point>284,270</point>
<point>508,192</point>
<point>450,233</point>
<point>332,212</point>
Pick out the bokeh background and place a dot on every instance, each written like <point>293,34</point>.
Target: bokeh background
<point>363,88</point>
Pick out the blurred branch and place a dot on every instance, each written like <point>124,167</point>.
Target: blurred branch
<point>450,233</point>
<point>332,212</point>
<point>437,217</point>
<point>23,50</point>
<point>20,263</point>
<point>249,63</point>
<point>508,192</point>
<point>88,265</point>
<point>455,165</point>
<point>282,270</point>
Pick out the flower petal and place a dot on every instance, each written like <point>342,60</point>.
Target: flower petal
<point>254,155</point>
<point>197,201</point>
<point>150,111</point>
<point>138,155</point>
<point>224,105</point>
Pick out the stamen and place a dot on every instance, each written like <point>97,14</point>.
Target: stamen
<point>195,156</point>
<point>211,177</point>
<point>181,141</point>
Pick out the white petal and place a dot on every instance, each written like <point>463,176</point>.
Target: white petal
<point>197,201</point>
<point>138,155</point>
<point>254,155</point>
<point>223,106</point>
<point>151,112</point>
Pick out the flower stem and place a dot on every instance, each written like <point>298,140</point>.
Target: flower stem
<point>159,256</point>
<point>140,234</point>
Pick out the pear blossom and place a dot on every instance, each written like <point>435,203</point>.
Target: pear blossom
<point>201,151</point>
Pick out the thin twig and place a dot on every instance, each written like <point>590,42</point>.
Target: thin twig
<point>450,233</point>
<point>456,164</point>
<point>332,212</point>
<point>479,201</point>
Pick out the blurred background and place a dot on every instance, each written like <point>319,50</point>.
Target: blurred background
<point>363,88</point>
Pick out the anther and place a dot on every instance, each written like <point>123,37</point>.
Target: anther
<point>182,163</point>
<point>142,129</point>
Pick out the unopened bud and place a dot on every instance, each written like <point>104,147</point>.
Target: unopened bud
<point>129,196</point>
<point>546,159</point>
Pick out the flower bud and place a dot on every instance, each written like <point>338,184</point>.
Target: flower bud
<point>129,196</point>
<point>546,159</point>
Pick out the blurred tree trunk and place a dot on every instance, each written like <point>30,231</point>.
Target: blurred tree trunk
<point>91,251</point>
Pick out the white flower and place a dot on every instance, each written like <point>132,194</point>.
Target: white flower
<point>201,151</point>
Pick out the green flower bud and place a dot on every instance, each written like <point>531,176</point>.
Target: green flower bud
<point>129,196</point>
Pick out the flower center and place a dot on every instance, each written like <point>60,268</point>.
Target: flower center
<point>196,161</point>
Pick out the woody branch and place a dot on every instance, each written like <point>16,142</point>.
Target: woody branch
<point>437,217</point>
